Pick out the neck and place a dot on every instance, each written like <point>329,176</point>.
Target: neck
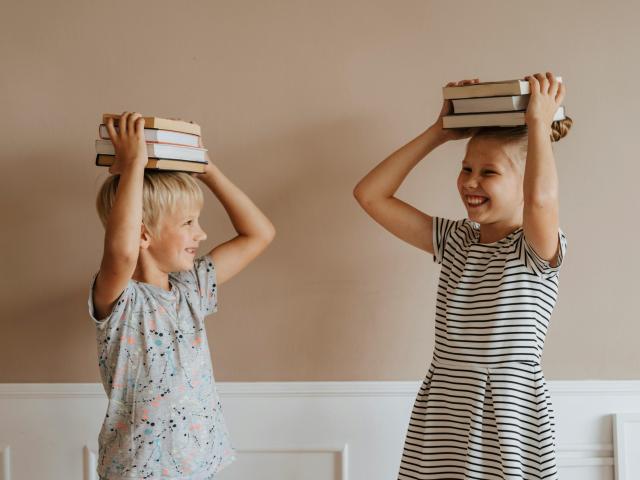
<point>147,271</point>
<point>492,232</point>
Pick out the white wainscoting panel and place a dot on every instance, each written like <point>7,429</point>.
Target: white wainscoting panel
<point>305,431</point>
<point>5,463</point>
<point>626,436</point>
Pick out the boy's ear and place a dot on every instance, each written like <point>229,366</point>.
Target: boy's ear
<point>145,237</point>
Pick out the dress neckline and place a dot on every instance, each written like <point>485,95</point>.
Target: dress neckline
<point>475,227</point>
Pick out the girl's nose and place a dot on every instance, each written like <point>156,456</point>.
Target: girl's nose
<point>471,183</point>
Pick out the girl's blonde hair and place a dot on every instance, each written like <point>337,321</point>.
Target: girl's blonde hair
<point>162,193</point>
<point>519,134</point>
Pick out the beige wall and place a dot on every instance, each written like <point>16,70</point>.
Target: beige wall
<point>297,100</point>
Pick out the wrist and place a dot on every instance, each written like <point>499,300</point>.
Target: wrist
<point>538,128</point>
<point>436,134</point>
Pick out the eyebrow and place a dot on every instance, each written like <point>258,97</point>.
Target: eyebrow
<point>486,165</point>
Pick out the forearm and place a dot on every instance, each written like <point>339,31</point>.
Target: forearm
<point>245,216</point>
<point>540,178</point>
<point>385,179</point>
<point>122,236</point>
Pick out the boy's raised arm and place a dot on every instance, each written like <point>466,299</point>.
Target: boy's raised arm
<point>255,231</point>
<point>123,229</point>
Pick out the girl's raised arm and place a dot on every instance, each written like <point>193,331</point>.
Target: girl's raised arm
<point>540,221</point>
<point>376,191</point>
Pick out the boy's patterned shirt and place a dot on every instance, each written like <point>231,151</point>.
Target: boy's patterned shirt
<point>164,417</point>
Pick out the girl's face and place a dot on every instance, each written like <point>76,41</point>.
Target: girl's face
<point>490,181</point>
<point>179,235</point>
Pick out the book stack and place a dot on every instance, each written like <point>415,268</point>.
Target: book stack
<point>490,104</point>
<point>173,145</point>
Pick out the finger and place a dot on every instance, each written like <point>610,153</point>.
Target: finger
<point>534,86</point>
<point>553,84</point>
<point>111,130</point>
<point>122,124</point>
<point>139,126</point>
<point>131,123</point>
<point>562,91</point>
<point>544,83</point>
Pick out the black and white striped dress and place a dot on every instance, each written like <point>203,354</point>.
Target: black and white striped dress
<point>483,410</point>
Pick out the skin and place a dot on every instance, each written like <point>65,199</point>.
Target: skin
<point>528,200</point>
<point>133,251</point>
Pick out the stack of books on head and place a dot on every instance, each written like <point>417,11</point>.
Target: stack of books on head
<point>490,104</point>
<point>171,145</point>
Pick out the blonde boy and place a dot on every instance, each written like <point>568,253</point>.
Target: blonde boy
<point>149,300</point>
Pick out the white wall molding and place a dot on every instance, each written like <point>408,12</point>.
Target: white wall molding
<point>626,437</point>
<point>89,464</point>
<point>5,463</point>
<point>312,389</point>
<point>335,430</point>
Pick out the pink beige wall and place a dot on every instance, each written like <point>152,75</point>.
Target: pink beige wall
<point>297,100</point>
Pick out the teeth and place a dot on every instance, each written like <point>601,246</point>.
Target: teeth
<point>475,200</point>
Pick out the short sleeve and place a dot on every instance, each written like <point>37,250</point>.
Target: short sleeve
<point>442,230</point>
<point>201,283</point>
<point>537,265</point>
<point>119,307</point>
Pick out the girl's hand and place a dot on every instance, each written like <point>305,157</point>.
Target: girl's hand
<point>547,95</point>
<point>129,142</point>
<point>446,134</point>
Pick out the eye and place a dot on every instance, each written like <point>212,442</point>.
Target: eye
<point>188,222</point>
<point>490,172</point>
<point>466,169</point>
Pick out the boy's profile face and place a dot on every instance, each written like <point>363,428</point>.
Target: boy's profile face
<point>178,235</point>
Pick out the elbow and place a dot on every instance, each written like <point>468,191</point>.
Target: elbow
<point>360,195</point>
<point>541,200</point>
<point>270,234</point>
<point>266,236</point>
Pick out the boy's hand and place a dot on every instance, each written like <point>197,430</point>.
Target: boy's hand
<point>547,95</point>
<point>447,134</point>
<point>207,168</point>
<point>129,142</point>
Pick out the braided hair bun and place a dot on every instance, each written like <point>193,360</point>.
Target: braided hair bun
<point>560,128</point>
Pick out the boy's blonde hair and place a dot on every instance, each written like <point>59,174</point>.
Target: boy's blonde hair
<point>162,193</point>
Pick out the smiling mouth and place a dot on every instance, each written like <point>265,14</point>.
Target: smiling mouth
<point>192,251</point>
<point>474,201</point>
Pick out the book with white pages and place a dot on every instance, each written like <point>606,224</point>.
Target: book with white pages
<point>500,119</point>
<point>160,136</point>
<point>158,164</point>
<point>159,150</point>
<point>489,89</point>
<point>491,104</point>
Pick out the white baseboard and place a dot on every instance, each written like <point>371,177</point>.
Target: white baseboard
<point>305,430</point>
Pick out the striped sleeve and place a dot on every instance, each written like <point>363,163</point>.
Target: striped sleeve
<point>537,265</point>
<point>442,231</point>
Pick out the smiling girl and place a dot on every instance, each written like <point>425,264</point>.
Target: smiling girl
<point>483,410</point>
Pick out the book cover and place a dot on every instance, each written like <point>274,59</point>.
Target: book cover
<point>154,135</point>
<point>162,123</point>
<point>490,104</point>
<point>501,119</point>
<point>158,164</point>
<point>489,89</point>
<point>159,150</point>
